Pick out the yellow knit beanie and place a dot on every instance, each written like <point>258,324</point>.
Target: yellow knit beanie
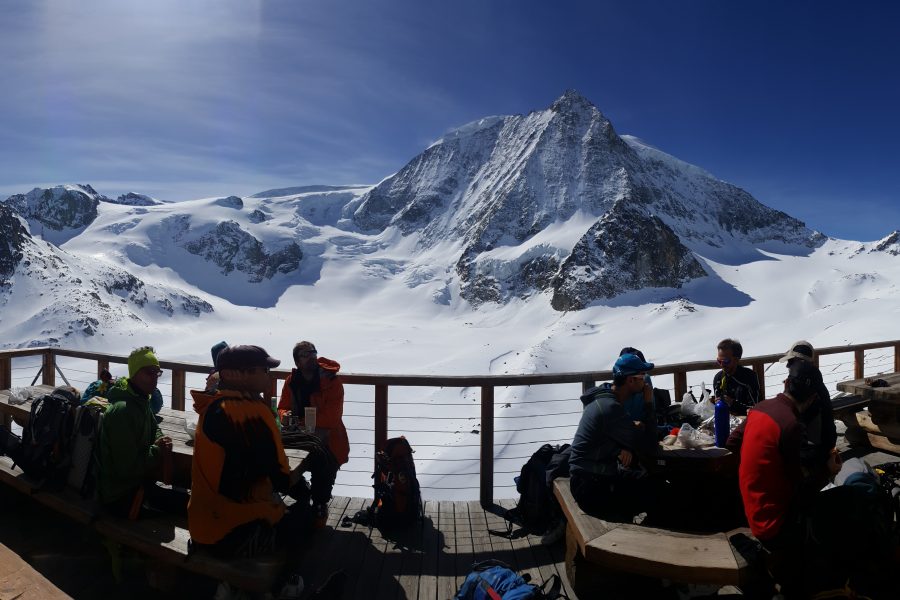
<point>140,358</point>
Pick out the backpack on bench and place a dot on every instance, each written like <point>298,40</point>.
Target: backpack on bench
<point>44,454</point>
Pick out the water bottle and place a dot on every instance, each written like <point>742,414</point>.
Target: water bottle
<point>722,422</point>
<point>275,412</point>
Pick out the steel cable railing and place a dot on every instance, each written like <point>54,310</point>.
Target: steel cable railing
<point>445,426</point>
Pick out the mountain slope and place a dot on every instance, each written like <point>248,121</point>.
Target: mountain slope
<point>502,181</point>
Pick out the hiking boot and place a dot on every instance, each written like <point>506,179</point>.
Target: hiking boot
<point>292,589</point>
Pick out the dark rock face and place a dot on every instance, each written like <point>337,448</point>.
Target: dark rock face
<point>134,199</point>
<point>890,244</point>
<point>231,248</point>
<point>231,202</point>
<point>626,250</point>
<point>12,239</point>
<point>59,207</point>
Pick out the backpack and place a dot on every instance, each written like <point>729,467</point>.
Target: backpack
<point>495,580</point>
<point>83,448</point>
<point>537,509</point>
<point>44,453</point>
<point>398,499</point>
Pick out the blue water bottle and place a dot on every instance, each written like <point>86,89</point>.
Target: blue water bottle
<point>722,422</point>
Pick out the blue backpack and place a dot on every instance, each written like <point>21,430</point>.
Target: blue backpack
<point>494,580</point>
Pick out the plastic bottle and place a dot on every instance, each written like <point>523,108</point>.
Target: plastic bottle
<point>722,422</point>
<point>275,412</point>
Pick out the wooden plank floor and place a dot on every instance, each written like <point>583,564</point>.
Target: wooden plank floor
<point>427,563</point>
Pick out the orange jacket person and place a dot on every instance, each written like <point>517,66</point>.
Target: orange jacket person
<point>315,383</point>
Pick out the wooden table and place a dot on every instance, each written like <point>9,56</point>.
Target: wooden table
<point>172,425</point>
<point>882,419</point>
<point>677,459</point>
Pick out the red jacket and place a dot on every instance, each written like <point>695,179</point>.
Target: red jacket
<point>770,474</point>
<point>328,399</point>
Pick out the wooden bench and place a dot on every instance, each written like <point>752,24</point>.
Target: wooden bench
<point>163,539</point>
<point>650,552</point>
<point>19,580</point>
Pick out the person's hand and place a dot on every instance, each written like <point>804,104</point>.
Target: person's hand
<point>728,400</point>
<point>163,442</point>
<point>835,462</point>
<point>625,457</point>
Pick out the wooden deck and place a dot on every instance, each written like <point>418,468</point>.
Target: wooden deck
<point>427,563</point>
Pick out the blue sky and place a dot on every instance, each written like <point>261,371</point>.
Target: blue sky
<point>797,102</point>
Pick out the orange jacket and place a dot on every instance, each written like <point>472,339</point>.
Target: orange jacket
<point>329,403</point>
<point>237,431</point>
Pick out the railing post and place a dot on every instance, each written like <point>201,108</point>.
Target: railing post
<point>5,384</point>
<point>178,383</point>
<point>48,376</point>
<point>102,365</point>
<point>381,416</point>
<point>5,372</point>
<point>680,385</point>
<point>896,358</point>
<point>859,364</point>
<point>487,447</point>
<point>586,385</point>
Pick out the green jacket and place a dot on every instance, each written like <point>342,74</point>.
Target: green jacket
<point>128,455</point>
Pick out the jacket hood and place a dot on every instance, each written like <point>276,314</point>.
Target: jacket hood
<point>332,366</point>
<point>202,400</point>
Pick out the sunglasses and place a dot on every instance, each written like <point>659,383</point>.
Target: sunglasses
<point>723,361</point>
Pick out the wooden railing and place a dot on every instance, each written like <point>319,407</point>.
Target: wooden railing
<point>486,383</point>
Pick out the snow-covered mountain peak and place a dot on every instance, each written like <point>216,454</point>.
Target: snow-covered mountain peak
<point>58,213</point>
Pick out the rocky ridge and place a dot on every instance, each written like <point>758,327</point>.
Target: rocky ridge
<point>502,181</point>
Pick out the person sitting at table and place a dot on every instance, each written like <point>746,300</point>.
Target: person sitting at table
<point>315,383</point>
<point>212,380</point>
<point>785,509</point>
<point>640,407</point>
<point>132,444</point>
<point>606,479</point>
<point>736,384</point>
<point>821,433</point>
<point>239,461</point>
<point>99,387</point>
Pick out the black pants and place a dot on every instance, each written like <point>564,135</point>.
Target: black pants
<point>258,538</point>
<point>155,498</point>
<point>617,498</point>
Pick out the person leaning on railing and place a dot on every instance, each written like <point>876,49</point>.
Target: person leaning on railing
<point>132,444</point>
<point>315,383</point>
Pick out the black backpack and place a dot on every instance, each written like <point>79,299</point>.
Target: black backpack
<point>398,498</point>
<point>537,510</point>
<point>44,454</point>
